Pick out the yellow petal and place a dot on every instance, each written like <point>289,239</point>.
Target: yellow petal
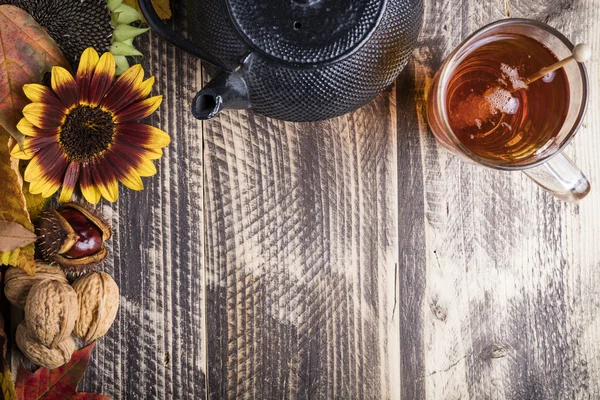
<point>87,63</point>
<point>91,193</point>
<point>20,154</point>
<point>139,110</point>
<point>159,138</point>
<point>63,84</point>
<point>109,190</point>
<point>146,167</point>
<point>146,87</point>
<point>43,116</point>
<point>43,186</point>
<point>153,154</point>
<point>34,170</point>
<point>104,73</point>
<point>133,76</point>
<point>42,94</point>
<point>132,180</point>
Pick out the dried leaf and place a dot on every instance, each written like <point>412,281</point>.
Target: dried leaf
<point>6,381</point>
<point>60,383</point>
<point>14,235</point>
<point>31,53</point>
<point>13,206</point>
<point>161,6</point>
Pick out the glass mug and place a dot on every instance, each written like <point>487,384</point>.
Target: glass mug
<point>550,169</point>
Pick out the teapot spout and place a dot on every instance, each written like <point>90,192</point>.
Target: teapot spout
<point>228,90</point>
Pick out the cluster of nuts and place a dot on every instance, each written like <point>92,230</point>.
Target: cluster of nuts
<point>54,310</point>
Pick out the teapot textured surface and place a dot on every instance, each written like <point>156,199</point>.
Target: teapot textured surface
<point>298,60</point>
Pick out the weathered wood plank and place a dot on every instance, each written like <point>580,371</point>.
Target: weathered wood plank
<point>301,256</point>
<point>507,289</point>
<point>156,348</point>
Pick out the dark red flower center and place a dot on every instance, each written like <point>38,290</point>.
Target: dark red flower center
<point>86,133</point>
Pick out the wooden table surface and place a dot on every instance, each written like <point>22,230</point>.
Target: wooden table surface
<point>353,258</point>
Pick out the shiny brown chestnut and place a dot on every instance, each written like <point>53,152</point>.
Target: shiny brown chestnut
<point>73,237</point>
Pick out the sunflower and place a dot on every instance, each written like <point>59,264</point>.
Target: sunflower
<point>83,132</point>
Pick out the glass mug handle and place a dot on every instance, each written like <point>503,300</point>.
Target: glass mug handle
<point>561,177</point>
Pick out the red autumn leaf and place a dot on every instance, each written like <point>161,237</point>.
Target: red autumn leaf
<point>27,54</point>
<point>57,384</point>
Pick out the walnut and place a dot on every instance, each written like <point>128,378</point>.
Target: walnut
<point>40,354</point>
<point>51,311</point>
<point>17,282</point>
<point>98,297</point>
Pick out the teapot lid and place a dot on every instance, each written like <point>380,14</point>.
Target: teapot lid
<point>305,32</point>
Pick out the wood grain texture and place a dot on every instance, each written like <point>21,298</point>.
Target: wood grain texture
<point>156,348</point>
<point>499,281</point>
<point>301,256</point>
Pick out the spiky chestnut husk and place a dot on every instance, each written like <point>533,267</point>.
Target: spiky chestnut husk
<point>75,25</point>
<point>73,237</point>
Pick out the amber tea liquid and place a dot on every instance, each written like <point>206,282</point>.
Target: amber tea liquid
<point>493,113</point>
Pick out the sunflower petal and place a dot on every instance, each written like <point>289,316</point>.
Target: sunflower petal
<point>125,89</point>
<point>33,145</point>
<point>43,94</point>
<point>102,79</point>
<point>88,190</point>
<point>154,154</point>
<point>139,110</point>
<point>146,167</point>
<point>28,129</point>
<point>45,187</point>
<point>64,86</point>
<point>85,72</point>
<point>105,180</point>
<point>45,171</point>
<point>20,154</point>
<point>69,182</point>
<point>142,135</point>
<point>124,172</point>
<point>43,116</point>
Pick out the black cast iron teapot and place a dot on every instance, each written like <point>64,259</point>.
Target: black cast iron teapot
<point>295,60</point>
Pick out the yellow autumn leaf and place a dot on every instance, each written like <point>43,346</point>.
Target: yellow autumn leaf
<point>13,205</point>
<point>161,6</point>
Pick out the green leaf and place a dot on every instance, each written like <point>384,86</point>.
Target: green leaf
<point>127,14</point>
<point>122,49</point>
<point>124,32</point>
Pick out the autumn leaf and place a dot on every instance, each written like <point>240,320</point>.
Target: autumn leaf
<point>13,205</point>
<point>6,381</point>
<point>14,235</point>
<point>29,52</point>
<point>57,384</point>
<point>161,6</point>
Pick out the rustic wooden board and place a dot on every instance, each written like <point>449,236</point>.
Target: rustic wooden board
<point>353,258</point>
<point>156,348</point>
<point>499,281</point>
<point>301,256</point>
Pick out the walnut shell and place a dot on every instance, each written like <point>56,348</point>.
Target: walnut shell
<point>40,354</point>
<point>51,311</point>
<point>98,297</point>
<point>18,283</point>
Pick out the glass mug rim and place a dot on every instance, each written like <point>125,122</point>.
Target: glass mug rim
<point>447,68</point>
